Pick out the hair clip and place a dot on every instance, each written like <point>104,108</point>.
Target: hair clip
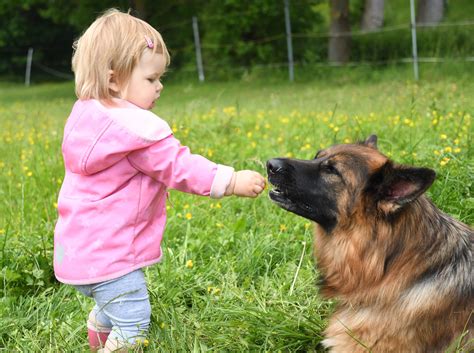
<point>149,42</point>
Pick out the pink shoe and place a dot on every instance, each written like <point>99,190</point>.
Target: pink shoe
<point>96,339</point>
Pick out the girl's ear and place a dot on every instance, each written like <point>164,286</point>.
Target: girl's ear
<point>113,86</point>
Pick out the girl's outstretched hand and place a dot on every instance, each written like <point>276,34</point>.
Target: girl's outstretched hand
<point>246,183</point>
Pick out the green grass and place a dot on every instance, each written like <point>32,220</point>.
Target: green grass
<point>247,289</point>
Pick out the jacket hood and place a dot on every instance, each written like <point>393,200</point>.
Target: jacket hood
<point>96,137</point>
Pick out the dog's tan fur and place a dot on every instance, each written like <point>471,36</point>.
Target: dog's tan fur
<point>380,310</point>
<point>400,269</point>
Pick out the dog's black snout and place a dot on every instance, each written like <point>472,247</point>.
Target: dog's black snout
<point>274,165</point>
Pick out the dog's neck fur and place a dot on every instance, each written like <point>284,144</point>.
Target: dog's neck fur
<point>361,258</point>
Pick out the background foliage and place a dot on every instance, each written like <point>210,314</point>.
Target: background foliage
<point>236,35</point>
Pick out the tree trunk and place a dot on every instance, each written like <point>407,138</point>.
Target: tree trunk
<point>430,11</point>
<point>340,38</point>
<point>373,15</point>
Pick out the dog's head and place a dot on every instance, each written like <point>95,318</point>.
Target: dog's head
<point>344,179</point>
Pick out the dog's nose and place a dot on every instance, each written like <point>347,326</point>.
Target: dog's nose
<point>274,165</point>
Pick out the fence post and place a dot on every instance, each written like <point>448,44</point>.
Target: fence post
<point>197,45</point>
<point>289,41</point>
<point>29,59</point>
<point>413,39</point>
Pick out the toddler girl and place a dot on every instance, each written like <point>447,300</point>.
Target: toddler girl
<point>120,159</point>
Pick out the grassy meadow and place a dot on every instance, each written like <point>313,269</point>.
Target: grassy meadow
<point>238,274</point>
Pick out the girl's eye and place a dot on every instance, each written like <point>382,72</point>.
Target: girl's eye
<point>151,80</point>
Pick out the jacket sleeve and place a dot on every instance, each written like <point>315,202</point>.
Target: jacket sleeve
<point>172,164</point>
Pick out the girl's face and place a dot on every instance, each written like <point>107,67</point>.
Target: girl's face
<point>144,86</point>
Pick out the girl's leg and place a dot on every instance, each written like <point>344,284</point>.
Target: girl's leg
<point>124,301</point>
<point>98,329</point>
<point>98,324</point>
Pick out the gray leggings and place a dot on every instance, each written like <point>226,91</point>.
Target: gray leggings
<point>121,306</point>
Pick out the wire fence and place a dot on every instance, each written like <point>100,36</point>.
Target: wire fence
<point>202,50</point>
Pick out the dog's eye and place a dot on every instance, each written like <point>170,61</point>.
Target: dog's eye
<point>330,168</point>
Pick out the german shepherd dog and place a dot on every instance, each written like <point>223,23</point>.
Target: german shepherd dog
<point>401,269</point>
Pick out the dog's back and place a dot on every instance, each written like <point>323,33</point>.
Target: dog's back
<point>401,269</point>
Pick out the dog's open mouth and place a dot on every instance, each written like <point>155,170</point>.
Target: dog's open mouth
<point>278,195</point>
<point>282,197</point>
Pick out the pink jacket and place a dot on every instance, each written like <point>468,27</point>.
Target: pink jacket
<point>119,163</point>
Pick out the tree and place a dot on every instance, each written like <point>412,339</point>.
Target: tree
<point>373,15</point>
<point>339,32</point>
<point>430,11</point>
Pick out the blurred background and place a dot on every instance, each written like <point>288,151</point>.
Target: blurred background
<point>235,39</point>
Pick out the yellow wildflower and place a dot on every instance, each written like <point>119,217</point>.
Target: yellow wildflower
<point>189,264</point>
<point>231,111</point>
<point>213,290</point>
<point>305,147</point>
<point>188,215</point>
<point>444,161</point>
<point>282,227</point>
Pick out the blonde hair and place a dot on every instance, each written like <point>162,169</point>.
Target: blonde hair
<point>114,41</point>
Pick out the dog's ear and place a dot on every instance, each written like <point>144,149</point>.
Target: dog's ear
<point>371,141</point>
<point>397,185</point>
